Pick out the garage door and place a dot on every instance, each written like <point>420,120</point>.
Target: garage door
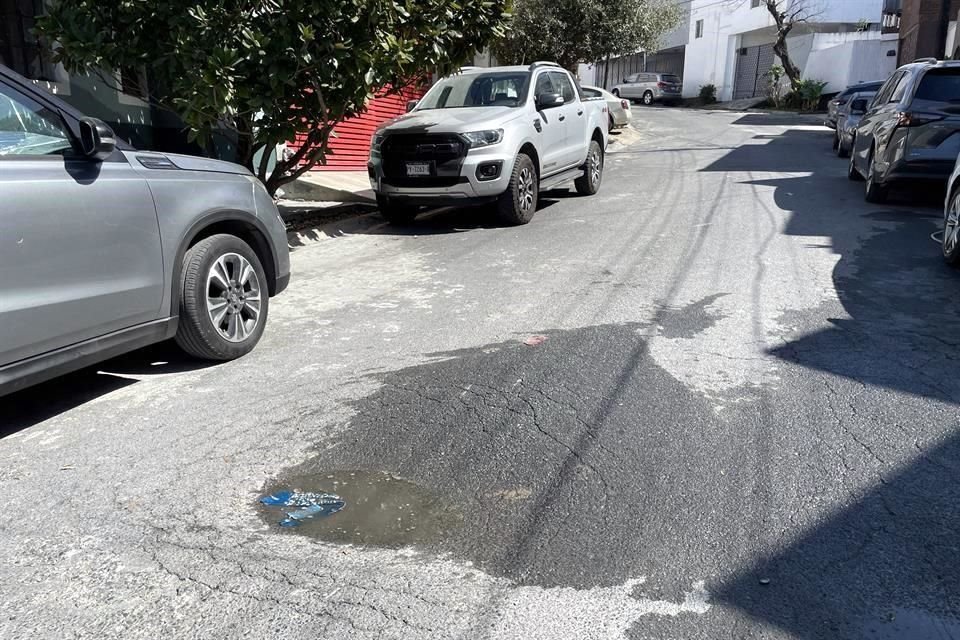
<point>350,142</point>
<point>753,68</point>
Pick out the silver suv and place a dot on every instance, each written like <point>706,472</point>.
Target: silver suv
<point>650,87</point>
<point>104,249</point>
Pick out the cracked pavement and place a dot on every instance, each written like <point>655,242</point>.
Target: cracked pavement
<point>742,423</point>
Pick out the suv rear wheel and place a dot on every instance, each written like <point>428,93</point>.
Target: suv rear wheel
<point>223,299</point>
<point>648,98</point>
<point>518,203</point>
<point>874,190</point>
<point>394,212</point>
<point>589,183</point>
<point>951,231</point>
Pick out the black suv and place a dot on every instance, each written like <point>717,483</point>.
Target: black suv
<point>911,130</point>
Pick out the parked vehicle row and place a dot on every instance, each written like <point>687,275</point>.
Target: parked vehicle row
<point>908,131</point>
<point>105,249</point>
<point>496,135</point>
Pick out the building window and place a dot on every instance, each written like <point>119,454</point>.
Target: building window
<point>20,49</point>
<point>755,3</point>
<point>699,29</point>
<point>133,82</point>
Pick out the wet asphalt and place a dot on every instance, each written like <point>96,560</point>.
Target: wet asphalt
<point>716,400</point>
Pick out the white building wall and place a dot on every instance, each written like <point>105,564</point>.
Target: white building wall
<point>729,25</point>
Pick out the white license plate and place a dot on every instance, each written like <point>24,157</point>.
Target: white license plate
<point>418,168</point>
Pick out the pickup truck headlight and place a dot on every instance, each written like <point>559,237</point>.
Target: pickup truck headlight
<point>484,138</point>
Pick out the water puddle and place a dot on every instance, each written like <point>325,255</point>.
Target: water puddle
<point>380,509</point>
<point>912,624</point>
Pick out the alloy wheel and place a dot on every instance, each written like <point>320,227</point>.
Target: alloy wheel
<point>525,190</point>
<point>233,297</point>
<point>596,166</point>
<point>951,226</point>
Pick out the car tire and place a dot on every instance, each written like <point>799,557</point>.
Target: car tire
<point>616,92</point>
<point>648,98</point>
<point>518,203</point>
<point>951,231</point>
<point>224,299</point>
<point>589,183</point>
<point>836,141</point>
<point>841,149</point>
<point>875,192</point>
<point>852,173</point>
<point>396,213</point>
<point>611,125</point>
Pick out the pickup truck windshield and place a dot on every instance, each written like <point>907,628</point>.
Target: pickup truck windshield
<point>477,90</point>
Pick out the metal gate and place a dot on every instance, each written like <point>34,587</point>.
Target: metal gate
<point>753,68</point>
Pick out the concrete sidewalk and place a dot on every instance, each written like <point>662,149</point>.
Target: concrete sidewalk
<point>325,188</point>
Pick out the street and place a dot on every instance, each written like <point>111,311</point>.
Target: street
<point>715,400</point>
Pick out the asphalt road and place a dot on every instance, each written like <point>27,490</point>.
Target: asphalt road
<point>716,400</point>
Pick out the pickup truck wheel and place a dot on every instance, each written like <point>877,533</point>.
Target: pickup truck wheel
<point>518,203</point>
<point>223,299</point>
<point>589,183</point>
<point>394,212</point>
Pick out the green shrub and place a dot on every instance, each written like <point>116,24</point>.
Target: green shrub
<point>810,92</point>
<point>708,94</point>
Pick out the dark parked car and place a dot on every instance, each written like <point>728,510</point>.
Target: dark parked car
<point>842,98</point>
<point>911,130</point>
<point>105,249</point>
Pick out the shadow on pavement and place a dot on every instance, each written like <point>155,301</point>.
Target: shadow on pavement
<point>887,565</point>
<point>35,404</point>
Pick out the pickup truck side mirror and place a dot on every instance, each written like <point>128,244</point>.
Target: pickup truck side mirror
<point>549,100</point>
<point>97,141</point>
<point>858,107</point>
<point>411,105</point>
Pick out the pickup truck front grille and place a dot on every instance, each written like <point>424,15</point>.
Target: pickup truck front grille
<point>443,151</point>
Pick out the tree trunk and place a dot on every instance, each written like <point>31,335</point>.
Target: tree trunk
<point>606,71</point>
<point>790,69</point>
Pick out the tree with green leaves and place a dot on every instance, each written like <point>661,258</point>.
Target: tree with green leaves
<point>573,31</point>
<point>268,70</point>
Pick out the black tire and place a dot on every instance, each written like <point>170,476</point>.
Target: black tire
<point>616,92</point>
<point>647,98</point>
<point>852,173</point>
<point>518,203</point>
<point>589,183</point>
<point>950,246</point>
<point>874,191</point>
<point>841,149</point>
<point>836,141</point>
<point>611,125</point>
<point>197,333</point>
<point>395,212</point>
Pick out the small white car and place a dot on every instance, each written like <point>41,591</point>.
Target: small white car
<point>618,108</point>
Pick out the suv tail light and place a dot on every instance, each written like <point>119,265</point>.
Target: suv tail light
<point>662,85</point>
<point>625,104</point>
<point>911,119</point>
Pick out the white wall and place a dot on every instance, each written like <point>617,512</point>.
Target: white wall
<point>731,24</point>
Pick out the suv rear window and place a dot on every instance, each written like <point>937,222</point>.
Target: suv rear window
<point>939,85</point>
<point>667,77</point>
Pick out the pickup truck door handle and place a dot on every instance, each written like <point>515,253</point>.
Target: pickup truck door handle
<point>580,112</point>
<point>562,117</point>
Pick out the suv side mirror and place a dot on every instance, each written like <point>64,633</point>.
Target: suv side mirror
<point>96,139</point>
<point>549,100</point>
<point>858,107</point>
<point>411,105</point>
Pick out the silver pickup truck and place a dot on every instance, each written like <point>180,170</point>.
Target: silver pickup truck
<point>498,135</point>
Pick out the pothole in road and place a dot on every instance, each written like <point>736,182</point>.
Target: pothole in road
<point>381,509</point>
